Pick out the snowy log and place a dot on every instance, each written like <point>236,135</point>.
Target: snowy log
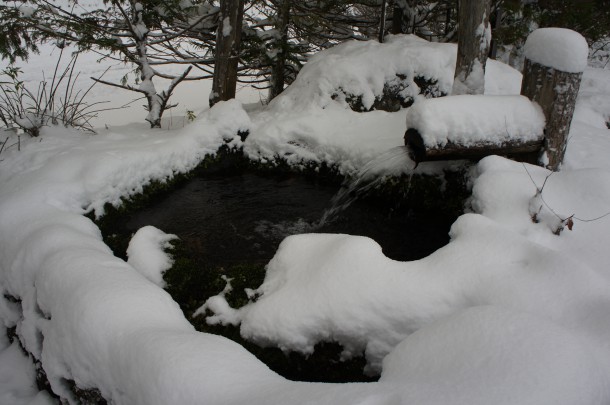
<point>516,149</point>
<point>474,126</point>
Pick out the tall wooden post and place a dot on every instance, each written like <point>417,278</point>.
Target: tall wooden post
<point>474,37</point>
<point>228,37</point>
<point>554,61</point>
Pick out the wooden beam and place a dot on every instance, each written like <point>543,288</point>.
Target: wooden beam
<point>516,150</point>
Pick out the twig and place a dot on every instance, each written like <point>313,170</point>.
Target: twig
<point>3,144</point>
<point>539,189</point>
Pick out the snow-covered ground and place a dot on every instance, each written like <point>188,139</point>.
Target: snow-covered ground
<point>507,313</point>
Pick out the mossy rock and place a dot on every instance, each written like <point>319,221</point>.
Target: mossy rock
<point>397,93</point>
<point>191,284</point>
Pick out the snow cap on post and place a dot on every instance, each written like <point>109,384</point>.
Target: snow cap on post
<point>558,48</point>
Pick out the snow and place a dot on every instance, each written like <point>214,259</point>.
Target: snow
<point>473,84</point>
<point>501,79</point>
<point>304,123</point>
<point>361,68</point>
<point>469,120</point>
<point>147,253</point>
<point>507,312</point>
<point>226,27</point>
<point>26,10</point>
<point>558,48</point>
<point>17,376</point>
<point>494,343</point>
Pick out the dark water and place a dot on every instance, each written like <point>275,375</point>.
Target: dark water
<point>242,218</point>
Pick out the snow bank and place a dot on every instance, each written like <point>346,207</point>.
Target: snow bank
<point>494,344</point>
<point>558,48</point>
<point>469,120</point>
<point>362,68</point>
<point>17,375</point>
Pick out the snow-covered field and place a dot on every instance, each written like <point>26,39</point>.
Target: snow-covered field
<point>507,313</point>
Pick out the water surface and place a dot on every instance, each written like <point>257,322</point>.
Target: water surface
<point>241,218</point>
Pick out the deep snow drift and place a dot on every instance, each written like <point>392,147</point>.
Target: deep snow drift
<point>507,313</point>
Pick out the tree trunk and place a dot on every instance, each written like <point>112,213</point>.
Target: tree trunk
<point>402,18</point>
<point>556,93</point>
<point>474,37</point>
<point>228,37</point>
<point>496,22</point>
<point>147,86</point>
<point>382,18</point>
<point>278,67</point>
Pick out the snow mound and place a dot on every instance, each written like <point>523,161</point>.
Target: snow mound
<point>504,357</point>
<point>342,288</point>
<point>558,48</point>
<point>469,120</point>
<point>362,68</point>
<point>146,253</point>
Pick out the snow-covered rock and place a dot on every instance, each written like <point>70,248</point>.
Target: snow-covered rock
<point>147,253</point>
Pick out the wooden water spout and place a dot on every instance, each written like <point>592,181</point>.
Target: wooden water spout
<point>521,151</point>
<point>474,126</point>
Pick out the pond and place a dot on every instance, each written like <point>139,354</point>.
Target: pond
<point>241,218</point>
<point>231,222</point>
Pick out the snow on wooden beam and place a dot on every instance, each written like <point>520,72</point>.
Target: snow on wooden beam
<point>474,126</point>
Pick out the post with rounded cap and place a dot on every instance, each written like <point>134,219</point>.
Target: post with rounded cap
<point>554,61</point>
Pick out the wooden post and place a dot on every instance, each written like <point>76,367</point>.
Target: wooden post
<point>552,80</point>
<point>474,37</point>
<point>228,37</point>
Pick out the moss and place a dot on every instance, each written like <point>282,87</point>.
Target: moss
<point>314,171</point>
<point>85,396</point>
<point>323,365</point>
<point>191,282</point>
<point>111,223</point>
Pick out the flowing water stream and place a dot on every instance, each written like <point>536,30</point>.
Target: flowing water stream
<point>394,162</point>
